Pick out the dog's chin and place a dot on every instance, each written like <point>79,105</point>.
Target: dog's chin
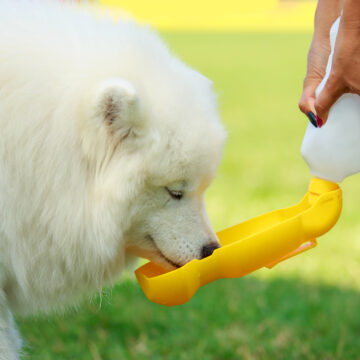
<point>160,258</point>
<point>155,256</point>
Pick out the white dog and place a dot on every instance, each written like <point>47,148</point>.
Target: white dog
<point>107,145</point>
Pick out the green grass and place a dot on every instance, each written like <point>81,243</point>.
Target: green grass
<point>305,308</point>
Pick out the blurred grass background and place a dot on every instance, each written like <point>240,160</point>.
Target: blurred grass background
<point>229,15</point>
<point>304,308</point>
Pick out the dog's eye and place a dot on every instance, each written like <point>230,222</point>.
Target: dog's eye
<point>175,194</point>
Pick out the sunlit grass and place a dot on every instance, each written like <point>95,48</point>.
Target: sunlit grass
<point>305,308</point>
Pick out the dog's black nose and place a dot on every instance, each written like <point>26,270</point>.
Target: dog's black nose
<point>207,250</point>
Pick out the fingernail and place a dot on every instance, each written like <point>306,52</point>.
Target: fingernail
<point>312,118</point>
<point>319,122</point>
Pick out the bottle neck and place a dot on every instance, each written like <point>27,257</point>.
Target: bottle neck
<point>318,187</point>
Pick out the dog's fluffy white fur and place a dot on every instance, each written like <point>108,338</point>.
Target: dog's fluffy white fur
<point>107,144</point>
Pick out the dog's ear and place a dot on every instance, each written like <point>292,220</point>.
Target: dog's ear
<point>116,106</point>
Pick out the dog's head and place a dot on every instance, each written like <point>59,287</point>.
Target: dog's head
<point>160,146</point>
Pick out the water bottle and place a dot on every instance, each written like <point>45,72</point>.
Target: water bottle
<point>332,152</point>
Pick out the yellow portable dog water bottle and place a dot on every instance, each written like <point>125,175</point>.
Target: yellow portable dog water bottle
<point>262,241</point>
<point>332,153</point>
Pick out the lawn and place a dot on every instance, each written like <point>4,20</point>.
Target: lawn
<point>305,308</point>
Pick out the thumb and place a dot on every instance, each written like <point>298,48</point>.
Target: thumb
<point>332,90</point>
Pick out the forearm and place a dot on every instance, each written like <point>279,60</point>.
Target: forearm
<point>327,12</point>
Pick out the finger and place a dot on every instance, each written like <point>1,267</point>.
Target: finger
<point>306,105</point>
<point>307,99</point>
<point>332,90</point>
<point>307,102</point>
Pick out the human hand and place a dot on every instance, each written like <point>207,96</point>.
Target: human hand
<point>317,61</point>
<point>326,13</point>
<point>345,72</point>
